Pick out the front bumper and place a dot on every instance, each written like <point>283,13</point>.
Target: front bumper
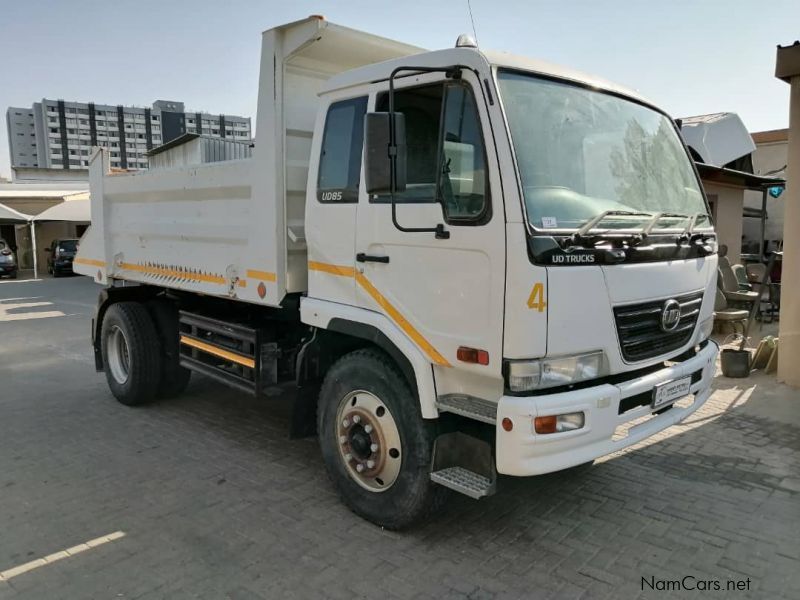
<point>523,452</point>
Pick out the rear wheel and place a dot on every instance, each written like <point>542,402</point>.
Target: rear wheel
<point>375,444</point>
<point>131,353</point>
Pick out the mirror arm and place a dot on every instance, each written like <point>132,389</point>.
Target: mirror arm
<point>453,72</point>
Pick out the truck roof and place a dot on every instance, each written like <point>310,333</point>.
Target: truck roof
<point>476,58</point>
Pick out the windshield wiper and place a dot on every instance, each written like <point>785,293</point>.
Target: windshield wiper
<point>658,216</point>
<point>581,238</point>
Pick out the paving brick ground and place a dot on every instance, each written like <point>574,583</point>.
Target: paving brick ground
<point>216,503</point>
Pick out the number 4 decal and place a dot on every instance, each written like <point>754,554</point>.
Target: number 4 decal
<point>536,299</point>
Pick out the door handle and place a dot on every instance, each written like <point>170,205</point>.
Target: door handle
<point>361,257</point>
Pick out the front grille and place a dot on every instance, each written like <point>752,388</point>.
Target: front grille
<point>639,327</point>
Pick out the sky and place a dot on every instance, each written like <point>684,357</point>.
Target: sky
<point>688,57</point>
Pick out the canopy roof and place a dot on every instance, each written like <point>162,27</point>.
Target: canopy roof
<point>74,208</point>
<point>9,214</point>
<point>713,174</point>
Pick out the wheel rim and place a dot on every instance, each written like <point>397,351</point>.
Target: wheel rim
<point>368,441</point>
<point>118,354</point>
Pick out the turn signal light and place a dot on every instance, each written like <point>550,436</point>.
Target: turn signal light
<point>472,355</point>
<point>559,423</point>
<point>545,424</point>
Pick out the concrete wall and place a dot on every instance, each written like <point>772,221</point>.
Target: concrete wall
<point>728,205</point>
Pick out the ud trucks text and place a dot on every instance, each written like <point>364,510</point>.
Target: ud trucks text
<point>459,263</point>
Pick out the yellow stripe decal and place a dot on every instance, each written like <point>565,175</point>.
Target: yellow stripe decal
<point>216,351</point>
<point>261,275</point>
<point>90,261</point>
<point>393,313</point>
<point>332,269</point>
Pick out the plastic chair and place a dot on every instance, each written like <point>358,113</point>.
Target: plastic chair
<point>724,314</point>
<point>741,277</point>
<point>730,285</point>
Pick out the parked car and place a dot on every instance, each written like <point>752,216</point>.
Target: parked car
<point>61,253</point>
<point>8,262</point>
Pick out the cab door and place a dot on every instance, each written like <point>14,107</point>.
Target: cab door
<point>332,201</point>
<point>445,294</point>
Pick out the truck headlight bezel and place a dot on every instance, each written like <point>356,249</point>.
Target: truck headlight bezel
<point>556,371</point>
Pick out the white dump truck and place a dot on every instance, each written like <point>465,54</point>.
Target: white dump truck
<point>460,264</point>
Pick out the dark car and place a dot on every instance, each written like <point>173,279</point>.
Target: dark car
<point>60,255</point>
<point>8,262</point>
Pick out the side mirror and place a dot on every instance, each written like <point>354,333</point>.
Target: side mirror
<point>48,249</point>
<point>377,158</point>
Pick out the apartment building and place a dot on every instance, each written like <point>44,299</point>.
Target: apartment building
<point>55,134</point>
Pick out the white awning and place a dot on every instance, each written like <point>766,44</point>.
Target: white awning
<point>9,214</point>
<point>77,210</point>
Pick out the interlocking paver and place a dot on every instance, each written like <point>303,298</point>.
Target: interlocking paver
<point>216,502</point>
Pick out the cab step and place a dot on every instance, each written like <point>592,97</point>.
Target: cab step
<point>468,406</point>
<point>464,481</point>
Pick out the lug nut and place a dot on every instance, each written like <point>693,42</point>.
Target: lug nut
<point>342,439</point>
<point>346,423</point>
<point>348,457</point>
<point>356,419</point>
<point>373,448</point>
<point>370,464</point>
<point>368,428</point>
<point>359,467</point>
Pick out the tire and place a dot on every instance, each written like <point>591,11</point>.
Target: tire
<point>133,361</point>
<point>392,496</point>
<point>174,378</point>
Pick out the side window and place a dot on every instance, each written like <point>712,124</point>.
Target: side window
<point>422,107</point>
<point>463,188</point>
<point>340,159</point>
<point>446,160</point>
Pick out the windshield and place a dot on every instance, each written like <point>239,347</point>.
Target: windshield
<point>582,152</point>
<point>68,245</point>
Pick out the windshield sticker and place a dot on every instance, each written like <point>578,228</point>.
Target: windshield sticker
<point>549,222</point>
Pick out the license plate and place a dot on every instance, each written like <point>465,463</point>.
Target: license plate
<point>670,391</point>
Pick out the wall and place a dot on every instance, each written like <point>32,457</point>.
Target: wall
<point>728,206</point>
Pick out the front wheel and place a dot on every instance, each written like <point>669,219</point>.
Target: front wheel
<point>375,444</point>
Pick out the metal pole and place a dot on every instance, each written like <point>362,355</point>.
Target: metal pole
<point>761,253</point>
<point>33,242</point>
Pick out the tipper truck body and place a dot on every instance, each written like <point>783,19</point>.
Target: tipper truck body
<point>459,263</point>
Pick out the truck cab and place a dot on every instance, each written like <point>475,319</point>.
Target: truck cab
<point>466,262</point>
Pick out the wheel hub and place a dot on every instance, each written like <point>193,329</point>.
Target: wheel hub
<point>369,441</point>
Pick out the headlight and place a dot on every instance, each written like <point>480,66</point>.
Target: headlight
<point>704,329</point>
<point>527,375</point>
